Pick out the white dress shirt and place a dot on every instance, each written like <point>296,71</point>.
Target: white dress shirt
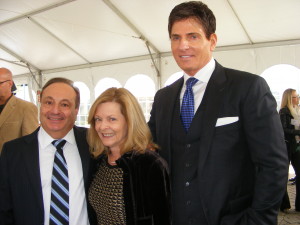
<point>77,200</point>
<point>203,77</point>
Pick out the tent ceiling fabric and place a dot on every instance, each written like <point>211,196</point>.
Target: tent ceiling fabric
<point>53,34</point>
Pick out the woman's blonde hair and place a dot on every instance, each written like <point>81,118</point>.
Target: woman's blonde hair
<point>138,135</point>
<point>287,101</point>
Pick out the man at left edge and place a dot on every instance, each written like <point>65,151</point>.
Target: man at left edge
<point>26,163</point>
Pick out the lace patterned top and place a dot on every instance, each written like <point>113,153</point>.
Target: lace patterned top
<point>106,195</point>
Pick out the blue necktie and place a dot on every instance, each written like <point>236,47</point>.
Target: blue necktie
<point>59,205</point>
<point>187,106</point>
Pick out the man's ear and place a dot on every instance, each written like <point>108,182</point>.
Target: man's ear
<point>13,87</point>
<point>77,110</point>
<point>213,41</point>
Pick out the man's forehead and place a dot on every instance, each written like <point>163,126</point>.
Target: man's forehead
<point>5,71</point>
<point>5,76</point>
<point>59,89</point>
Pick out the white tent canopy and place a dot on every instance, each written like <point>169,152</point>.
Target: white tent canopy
<point>86,40</point>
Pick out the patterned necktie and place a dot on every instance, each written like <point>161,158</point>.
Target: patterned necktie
<point>59,205</point>
<point>187,106</point>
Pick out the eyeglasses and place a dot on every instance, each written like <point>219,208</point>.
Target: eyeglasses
<point>3,81</point>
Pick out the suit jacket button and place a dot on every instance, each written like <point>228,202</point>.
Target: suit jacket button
<point>187,184</point>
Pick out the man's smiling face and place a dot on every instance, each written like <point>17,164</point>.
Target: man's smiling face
<point>190,47</point>
<point>58,112</point>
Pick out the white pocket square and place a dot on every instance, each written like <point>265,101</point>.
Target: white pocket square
<point>226,120</point>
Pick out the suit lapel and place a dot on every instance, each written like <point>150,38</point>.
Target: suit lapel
<point>31,158</point>
<point>8,109</point>
<point>80,137</point>
<point>214,95</point>
<point>171,96</point>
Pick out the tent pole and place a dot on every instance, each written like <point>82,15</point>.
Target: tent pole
<point>158,76</point>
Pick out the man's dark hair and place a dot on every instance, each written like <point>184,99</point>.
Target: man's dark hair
<point>65,81</point>
<point>196,10</point>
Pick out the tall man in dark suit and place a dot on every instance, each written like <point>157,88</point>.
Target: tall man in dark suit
<point>26,163</point>
<point>229,165</point>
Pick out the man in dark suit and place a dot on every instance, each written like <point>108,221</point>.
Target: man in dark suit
<point>26,163</point>
<point>229,165</point>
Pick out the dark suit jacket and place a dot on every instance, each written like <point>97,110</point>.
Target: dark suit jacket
<point>242,171</point>
<point>21,198</point>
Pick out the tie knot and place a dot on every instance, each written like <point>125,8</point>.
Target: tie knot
<point>190,82</point>
<point>59,144</point>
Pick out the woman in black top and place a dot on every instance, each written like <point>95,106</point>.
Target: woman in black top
<point>131,181</point>
<point>290,119</point>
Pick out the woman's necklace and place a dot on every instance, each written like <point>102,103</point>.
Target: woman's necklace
<point>112,163</point>
<point>111,160</point>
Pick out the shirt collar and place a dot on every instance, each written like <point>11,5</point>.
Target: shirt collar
<point>45,139</point>
<point>205,73</point>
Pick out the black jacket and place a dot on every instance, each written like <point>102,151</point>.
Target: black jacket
<point>242,166</point>
<point>289,129</point>
<point>146,188</point>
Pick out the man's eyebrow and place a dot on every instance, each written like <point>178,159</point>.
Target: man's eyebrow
<point>65,99</point>
<point>62,100</point>
<point>192,33</point>
<point>48,97</point>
